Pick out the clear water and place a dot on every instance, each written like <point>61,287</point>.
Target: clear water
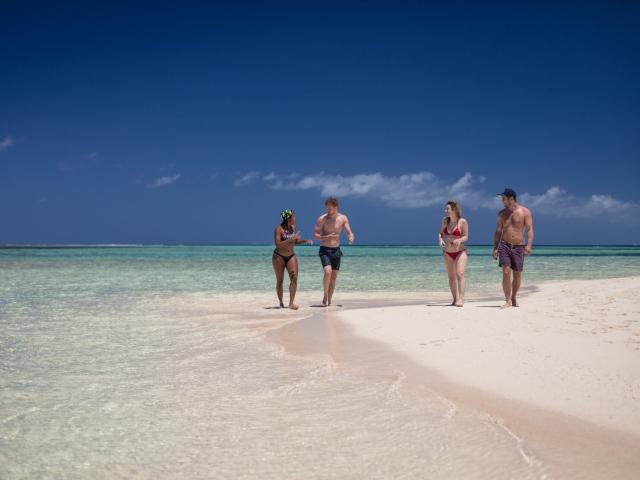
<point>124,362</point>
<point>39,273</point>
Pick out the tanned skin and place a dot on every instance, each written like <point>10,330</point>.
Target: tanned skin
<point>513,220</point>
<point>327,230</point>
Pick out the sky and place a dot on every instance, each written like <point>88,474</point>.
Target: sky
<point>198,122</point>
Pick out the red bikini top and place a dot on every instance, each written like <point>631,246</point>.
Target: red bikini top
<point>454,233</point>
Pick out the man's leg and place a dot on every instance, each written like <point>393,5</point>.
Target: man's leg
<point>517,277</point>
<point>332,284</point>
<point>506,286</point>
<point>326,282</point>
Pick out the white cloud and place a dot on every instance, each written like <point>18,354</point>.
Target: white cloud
<point>422,189</point>
<point>558,202</point>
<point>425,189</point>
<point>246,179</point>
<point>164,181</point>
<point>6,143</point>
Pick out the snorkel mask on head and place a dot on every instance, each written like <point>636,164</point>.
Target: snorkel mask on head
<point>285,214</point>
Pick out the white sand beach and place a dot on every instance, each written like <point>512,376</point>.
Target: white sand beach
<point>561,372</point>
<point>571,347</point>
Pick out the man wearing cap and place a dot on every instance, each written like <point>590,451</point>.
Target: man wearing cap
<point>508,243</point>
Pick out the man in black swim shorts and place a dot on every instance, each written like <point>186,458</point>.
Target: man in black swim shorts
<point>327,230</point>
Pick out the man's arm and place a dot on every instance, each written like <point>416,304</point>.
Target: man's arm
<point>497,235</point>
<point>347,227</point>
<point>528,224</point>
<point>317,230</point>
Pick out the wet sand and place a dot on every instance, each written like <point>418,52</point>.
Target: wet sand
<point>561,372</point>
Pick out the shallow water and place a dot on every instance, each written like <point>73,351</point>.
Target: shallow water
<point>38,273</point>
<point>126,362</point>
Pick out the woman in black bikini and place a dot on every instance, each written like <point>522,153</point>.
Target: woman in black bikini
<point>286,237</point>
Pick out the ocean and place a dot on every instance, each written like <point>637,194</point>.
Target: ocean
<point>42,272</point>
<point>152,362</point>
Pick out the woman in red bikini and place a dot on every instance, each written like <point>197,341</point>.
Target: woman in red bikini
<point>284,258</point>
<point>452,235</point>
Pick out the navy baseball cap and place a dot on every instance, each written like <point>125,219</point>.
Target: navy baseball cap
<point>508,192</point>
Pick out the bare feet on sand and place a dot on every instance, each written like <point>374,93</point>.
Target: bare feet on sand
<point>293,306</point>
<point>324,302</point>
<point>514,303</point>
<point>507,304</point>
<point>459,303</point>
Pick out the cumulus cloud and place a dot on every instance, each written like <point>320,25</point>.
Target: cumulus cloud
<point>425,189</point>
<point>246,179</point>
<point>164,181</point>
<point>6,143</point>
<point>413,190</point>
<point>558,202</point>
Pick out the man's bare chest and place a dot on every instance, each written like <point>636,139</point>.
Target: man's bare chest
<point>514,220</point>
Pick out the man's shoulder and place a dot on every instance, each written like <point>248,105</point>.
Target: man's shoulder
<point>321,217</point>
<point>525,210</point>
<point>503,212</point>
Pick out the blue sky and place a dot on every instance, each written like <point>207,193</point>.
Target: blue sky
<point>198,123</point>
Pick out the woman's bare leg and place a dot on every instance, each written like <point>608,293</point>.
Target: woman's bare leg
<point>278,268</point>
<point>451,272</point>
<point>461,264</point>
<point>292,268</point>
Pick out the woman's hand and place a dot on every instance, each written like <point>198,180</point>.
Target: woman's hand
<point>442,244</point>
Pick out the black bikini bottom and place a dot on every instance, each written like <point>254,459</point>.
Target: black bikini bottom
<point>286,258</point>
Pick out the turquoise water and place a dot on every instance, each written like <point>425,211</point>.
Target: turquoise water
<point>33,273</point>
<point>119,363</point>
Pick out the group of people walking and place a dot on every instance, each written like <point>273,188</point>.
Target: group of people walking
<point>508,248</point>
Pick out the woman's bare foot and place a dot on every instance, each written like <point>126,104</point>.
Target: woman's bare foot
<point>453,304</point>
<point>324,301</point>
<point>514,303</point>
<point>507,304</point>
<point>281,305</point>
<point>459,303</point>
<point>293,306</point>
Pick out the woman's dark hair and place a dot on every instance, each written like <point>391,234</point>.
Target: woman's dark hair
<point>285,223</point>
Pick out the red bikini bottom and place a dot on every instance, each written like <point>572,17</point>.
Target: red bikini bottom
<point>454,255</point>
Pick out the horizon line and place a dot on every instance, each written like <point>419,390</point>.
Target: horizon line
<point>134,245</point>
